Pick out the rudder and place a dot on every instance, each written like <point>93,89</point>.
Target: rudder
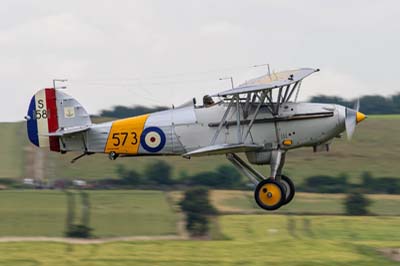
<point>50,111</point>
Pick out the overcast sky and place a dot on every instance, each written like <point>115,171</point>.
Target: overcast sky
<point>166,52</point>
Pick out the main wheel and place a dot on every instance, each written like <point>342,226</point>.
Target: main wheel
<point>269,194</point>
<point>288,185</point>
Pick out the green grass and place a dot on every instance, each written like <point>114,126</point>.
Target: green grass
<point>393,116</point>
<point>13,141</point>
<point>32,213</point>
<point>374,148</point>
<point>251,240</point>
<point>121,213</point>
<point>334,228</point>
<point>113,213</point>
<point>147,213</point>
<point>303,203</point>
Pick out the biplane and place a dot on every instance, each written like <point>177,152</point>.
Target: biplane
<point>260,118</point>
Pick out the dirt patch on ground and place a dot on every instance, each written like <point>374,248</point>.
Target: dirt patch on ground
<point>384,196</point>
<point>391,253</point>
<point>218,197</point>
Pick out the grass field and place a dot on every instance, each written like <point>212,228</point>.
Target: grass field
<point>374,148</point>
<point>250,240</point>
<point>13,140</point>
<point>113,213</point>
<point>230,201</point>
<point>148,213</point>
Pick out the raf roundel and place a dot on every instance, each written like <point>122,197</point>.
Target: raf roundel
<point>153,139</point>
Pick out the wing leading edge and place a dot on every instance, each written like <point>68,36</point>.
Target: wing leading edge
<point>266,82</point>
<point>222,149</point>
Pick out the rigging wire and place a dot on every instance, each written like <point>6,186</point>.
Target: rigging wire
<point>147,85</point>
<point>159,75</point>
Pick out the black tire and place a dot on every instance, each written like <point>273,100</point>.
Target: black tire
<point>272,201</point>
<point>289,188</point>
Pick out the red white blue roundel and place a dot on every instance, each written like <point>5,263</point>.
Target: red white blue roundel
<point>153,139</point>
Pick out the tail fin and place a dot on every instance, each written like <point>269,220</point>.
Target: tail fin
<point>51,111</point>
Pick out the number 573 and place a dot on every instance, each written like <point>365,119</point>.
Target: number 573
<point>120,138</point>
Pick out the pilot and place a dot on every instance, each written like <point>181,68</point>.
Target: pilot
<point>208,101</point>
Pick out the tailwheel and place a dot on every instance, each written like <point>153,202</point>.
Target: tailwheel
<point>288,185</point>
<point>269,194</point>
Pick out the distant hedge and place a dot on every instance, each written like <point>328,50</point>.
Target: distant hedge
<point>159,174</point>
<point>369,104</point>
<point>369,184</point>
<point>124,111</point>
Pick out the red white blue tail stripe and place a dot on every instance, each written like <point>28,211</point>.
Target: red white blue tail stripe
<point>42,119</point>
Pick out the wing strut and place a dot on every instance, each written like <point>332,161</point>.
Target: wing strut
<point>239,136</point>
<point>259,91</point>
<point>221,124</point>
<point>262,99</point>
<point>291,91</point>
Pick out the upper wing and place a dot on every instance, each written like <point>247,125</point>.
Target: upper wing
<point>222,149</point>
<point>275,80</point>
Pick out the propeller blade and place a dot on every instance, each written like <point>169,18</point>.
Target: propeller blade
<point>353,117</point>
<point>357,105</point>
<point>350,122</point>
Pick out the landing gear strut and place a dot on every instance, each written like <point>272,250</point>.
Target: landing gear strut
<point>113,156</point>
<point>270,193</point>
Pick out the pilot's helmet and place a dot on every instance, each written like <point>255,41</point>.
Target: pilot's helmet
<point>207,100</point>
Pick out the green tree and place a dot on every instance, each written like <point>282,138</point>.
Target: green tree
<point>129,177</point>
<point>387,185</point>
<point>159,172</point>
<point>197,207</point>
<point>197,224</point>
<point>228,176</point>
<point>396,102</point>
<point>356,203</point>
<point>326,184</point>
<point>224,177</point>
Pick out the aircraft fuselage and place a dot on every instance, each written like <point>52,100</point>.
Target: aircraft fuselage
<point>181,130</point>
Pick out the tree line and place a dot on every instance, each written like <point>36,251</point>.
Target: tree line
<point>124,111</point>
<point>369,104</point>
<point>341,184</point>
<point>159,173</point>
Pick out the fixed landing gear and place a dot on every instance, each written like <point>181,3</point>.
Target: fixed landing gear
<point>288,185</point>
<point>113,156</point>
<point>270,193</point>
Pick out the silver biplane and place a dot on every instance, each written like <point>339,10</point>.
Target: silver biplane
<point>259,118</point>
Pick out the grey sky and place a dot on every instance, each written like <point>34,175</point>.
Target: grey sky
<point>166,52</point>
